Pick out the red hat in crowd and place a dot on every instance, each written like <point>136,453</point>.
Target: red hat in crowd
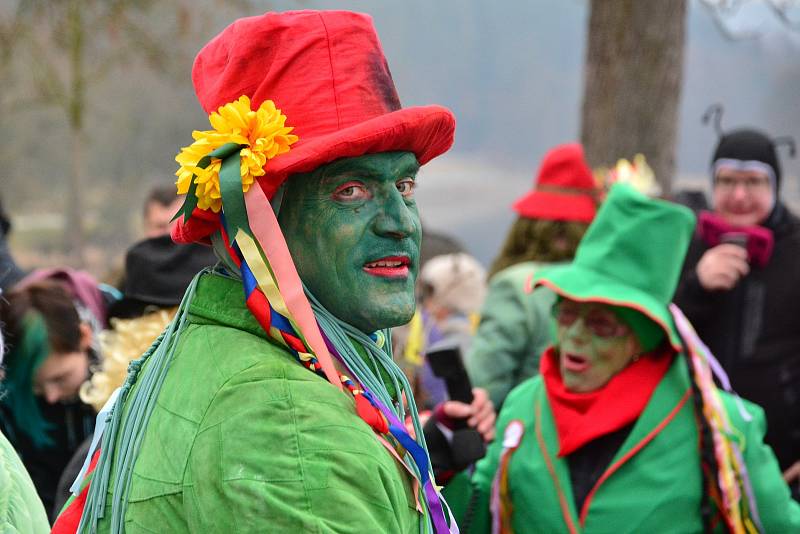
<point>564,190</point>
<point>325,70</point>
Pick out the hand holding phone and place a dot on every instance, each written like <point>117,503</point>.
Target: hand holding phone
<point>466,443</point>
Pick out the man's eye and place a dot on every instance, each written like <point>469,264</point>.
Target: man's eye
<point>406,187</point>
<point>351,191</point>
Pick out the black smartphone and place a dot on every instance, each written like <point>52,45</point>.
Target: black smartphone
<point>446,363</point>
<point>734,238</point>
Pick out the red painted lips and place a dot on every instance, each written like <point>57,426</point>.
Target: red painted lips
<point>389,267</point>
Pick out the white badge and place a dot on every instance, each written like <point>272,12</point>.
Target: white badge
<point>513,434</point>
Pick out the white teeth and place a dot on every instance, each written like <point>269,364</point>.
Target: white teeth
<point>385,264</point>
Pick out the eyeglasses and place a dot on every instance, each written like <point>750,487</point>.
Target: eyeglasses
<point>752,183</point>
<point>601,322</point>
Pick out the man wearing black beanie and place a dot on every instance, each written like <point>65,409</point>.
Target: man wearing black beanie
<point>740,288</point>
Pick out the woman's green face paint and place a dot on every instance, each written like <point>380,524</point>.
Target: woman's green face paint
<point>354,233</point>
<point>593,344</point>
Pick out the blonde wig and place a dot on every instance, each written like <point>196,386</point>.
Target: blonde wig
<point>126,341</point>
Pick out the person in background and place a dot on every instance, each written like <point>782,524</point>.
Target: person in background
<point>451,290</point>
<point>10,273</point>
<point>159,208</point>
<point>21,509</point>
<point>740,289</point>
<point>49,356</point>
<point>624,429</point>
<point>408,340</point>
<point>552,219</point>
<point>90,297</point>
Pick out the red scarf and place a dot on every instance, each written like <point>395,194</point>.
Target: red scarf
<point>583,417</point>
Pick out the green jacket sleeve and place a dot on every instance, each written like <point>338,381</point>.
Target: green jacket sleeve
<point>21,510</point>
<point>472,506</point>
<point>776,508</point>
<point>513,332</point>
<point>289,454</point>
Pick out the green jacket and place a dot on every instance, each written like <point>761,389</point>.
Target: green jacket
<point>21,510</point>
<point>245,439</point>
<point>513,332</point>
<point>653,483</point>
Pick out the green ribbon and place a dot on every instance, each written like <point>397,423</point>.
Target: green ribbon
<point>224,152</point>
<point>233,206</point>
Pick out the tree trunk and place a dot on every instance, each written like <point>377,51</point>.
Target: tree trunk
<point>73,227</point>
<point>632,86</point>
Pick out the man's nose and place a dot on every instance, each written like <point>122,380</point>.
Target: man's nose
<point>396,218</point>
<point>740,190</point>
<point>577,332</point>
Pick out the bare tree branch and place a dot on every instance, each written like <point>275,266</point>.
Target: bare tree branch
<point>48,82</point>
<point>781,10</point>
<point>722,10</point>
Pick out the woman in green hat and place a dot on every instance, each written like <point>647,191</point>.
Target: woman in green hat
<point>624,429</point>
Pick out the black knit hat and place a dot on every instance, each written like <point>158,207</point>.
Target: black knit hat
<point>749,145</point>
<point>157,272</point>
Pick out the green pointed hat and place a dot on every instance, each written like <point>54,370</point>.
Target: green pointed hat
<point>631,256</point>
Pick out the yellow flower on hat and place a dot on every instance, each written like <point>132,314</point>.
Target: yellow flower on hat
<point>262,134</point>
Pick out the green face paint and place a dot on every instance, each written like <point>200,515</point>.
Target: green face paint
<point>588,360</point>
<point>354,233</point>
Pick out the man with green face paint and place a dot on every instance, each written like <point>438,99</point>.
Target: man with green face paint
<point>271,403</point>
<point>359,214</point>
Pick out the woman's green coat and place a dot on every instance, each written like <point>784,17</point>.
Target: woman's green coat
<point>514,330</point>
<point>653,483</point>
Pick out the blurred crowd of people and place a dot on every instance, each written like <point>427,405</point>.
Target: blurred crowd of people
<point>643,358</point>
<point>70,339</point>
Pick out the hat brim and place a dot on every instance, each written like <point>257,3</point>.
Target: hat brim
<point>556,206</point>
<point>127,308</point>
<point>426,131</point>
<point>584,285</point>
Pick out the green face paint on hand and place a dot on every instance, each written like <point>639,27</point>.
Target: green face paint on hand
<point>354,233</point>
<point>593,345</point>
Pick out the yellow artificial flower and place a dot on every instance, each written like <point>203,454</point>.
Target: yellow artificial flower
<point>262,134</point>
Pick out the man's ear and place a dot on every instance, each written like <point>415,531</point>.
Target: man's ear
<point>86,336</point>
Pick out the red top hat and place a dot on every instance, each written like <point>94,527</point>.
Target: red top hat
<point>564,189</point>
<point>325,70</point>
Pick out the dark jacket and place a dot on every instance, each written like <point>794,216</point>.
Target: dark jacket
<point>754,331</point>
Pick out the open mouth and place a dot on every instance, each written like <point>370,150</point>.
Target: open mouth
<point>389,267</point>
<point>574,363</point>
